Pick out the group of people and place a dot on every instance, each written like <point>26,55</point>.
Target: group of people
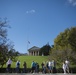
<point>9,62</point>
<point>34,67</point>
<point>49,66</point>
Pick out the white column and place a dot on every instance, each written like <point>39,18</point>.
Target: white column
<point>38,53</point>
<point>33,53</point>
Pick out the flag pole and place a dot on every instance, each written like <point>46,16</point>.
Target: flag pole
<point>28,45</point>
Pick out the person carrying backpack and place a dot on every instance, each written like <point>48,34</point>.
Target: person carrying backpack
<point>33,66</point>
<point>17,66</point>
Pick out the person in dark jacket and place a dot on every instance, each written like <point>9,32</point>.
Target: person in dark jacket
<point>24,67</point>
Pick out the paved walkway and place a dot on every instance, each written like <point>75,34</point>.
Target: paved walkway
<point>34,74</point>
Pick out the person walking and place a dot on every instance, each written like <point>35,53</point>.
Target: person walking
<point>67,65</point>
<point>37,68</point>
<point>18,66</point>
<point>9,62</point>
<point>24,67</point>
<point>33,67</point>
<point>50,67</point>
<point>64,67</point>
<point>54,66</point>
<point>44,67</point>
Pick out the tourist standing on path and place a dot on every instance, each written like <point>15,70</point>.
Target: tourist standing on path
<point>54,66</point>
<point>44,67</point>
<point>64,67</point>
<point>50,67</point>
<point>24,67</point>
<point>67,65</point>
<point>33,67</point>
<point>9,62</point>
<point>37,68</point>
<point>17,66</point>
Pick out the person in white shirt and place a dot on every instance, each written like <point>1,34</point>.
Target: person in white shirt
<point>54,66</point>
<point>67,65</point>
<point>50,67</point>
<point>64,67</point>
<point>9,62</point>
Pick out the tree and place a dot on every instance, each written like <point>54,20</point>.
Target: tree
<point>45,50</point>
<point>72,38</point>
<point>65,46</point>
<point>3,55</point>
<point>6,49</point>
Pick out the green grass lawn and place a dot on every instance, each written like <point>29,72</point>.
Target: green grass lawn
<point>29,59</point>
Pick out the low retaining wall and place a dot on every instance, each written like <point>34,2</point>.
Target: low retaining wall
<point>13,70</point>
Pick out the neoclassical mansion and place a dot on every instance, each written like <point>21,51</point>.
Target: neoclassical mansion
<point>34,51</point>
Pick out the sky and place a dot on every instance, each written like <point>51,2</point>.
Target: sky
<point>37,21</point>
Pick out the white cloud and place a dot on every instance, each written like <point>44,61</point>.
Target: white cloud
<point>30,11</point>
<point>72,2</point>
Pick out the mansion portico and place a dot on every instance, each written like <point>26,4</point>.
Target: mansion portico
<point>34,51</point>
